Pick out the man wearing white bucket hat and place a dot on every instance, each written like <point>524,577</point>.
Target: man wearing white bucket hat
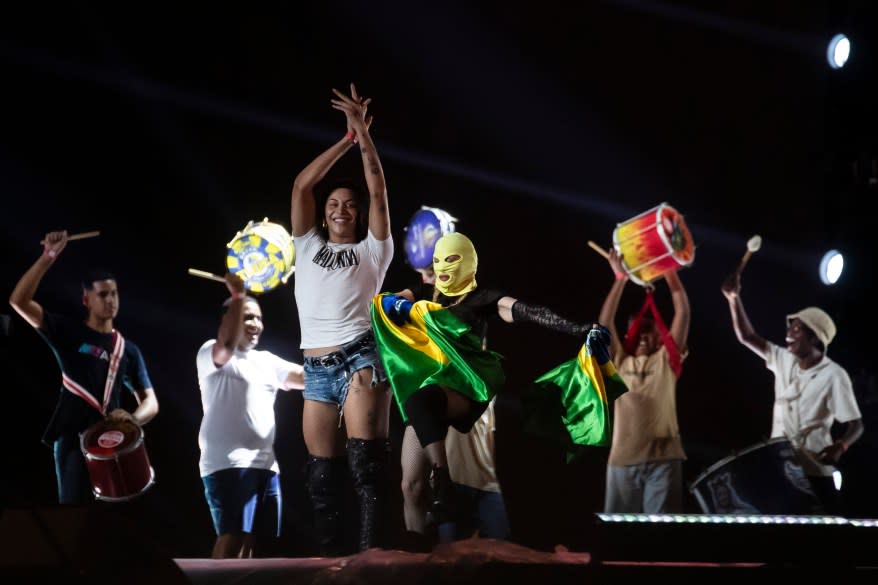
<point>810,390</point>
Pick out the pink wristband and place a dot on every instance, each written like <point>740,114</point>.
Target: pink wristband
<point>620,275</point>
<point>351,136</point>
<point>237,295</point>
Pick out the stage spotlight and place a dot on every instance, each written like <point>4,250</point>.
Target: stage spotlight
<point>838,51</point>
<point>831,267</point>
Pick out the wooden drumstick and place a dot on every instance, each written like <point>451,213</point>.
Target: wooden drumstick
<point>207,275</point>
<point>599,250</point>
<point>79,236</point>
<point>753,245</point>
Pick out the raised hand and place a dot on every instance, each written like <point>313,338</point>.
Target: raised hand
<point>354,108</point>
<point>731,286</point>
<point>615,260</point>
<point>234,284</point>
<point>54,242</point>
<point>597,343</point>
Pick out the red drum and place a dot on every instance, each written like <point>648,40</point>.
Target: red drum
<point>654,243</point>
<point>765,478</point>
<point>118,464</point>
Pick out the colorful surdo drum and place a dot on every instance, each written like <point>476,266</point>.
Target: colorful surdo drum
<point>654,243</point>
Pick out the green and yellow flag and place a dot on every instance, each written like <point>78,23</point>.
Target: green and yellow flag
<point>573,403</point>
<point>434,347</point>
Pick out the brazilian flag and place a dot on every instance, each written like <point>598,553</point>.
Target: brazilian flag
<point>573,403</point>
<point>434,347</point>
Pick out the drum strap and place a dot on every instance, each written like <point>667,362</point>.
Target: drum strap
<point>78,390</point>
<point>667,339</point>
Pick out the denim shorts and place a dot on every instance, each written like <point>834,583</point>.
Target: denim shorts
<point>244,500</point>
<point>328,377</point>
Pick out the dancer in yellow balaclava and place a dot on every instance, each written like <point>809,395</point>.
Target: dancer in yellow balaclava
<point>441,374</point>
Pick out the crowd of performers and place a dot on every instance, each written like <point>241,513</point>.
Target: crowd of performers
<point>423,350</point>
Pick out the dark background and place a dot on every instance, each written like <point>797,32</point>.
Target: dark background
<point>539,127</point>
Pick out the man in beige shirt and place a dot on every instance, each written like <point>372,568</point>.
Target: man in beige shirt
<point>645,467</point>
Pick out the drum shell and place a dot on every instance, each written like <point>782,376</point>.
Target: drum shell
<point>119,472</point>
<point>765,478</point>
<point>654,243</point>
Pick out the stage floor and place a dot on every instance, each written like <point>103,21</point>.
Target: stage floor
<point>484,561</point>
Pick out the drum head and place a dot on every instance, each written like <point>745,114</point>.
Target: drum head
<point>765,478</point>
<point>107,438</point>
<point>427,225</point>
<point>677,235</point>
<point>262,255</point>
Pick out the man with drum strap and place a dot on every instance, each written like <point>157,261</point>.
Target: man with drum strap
<point>810,390</point>
<point>645,466</point>
<point>238,465</point>
<point>95,362</point>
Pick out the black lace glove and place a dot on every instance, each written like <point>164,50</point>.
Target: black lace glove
<point>522,312</point>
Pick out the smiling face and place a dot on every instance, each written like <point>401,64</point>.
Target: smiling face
<point>801,341</point>
<point>647,337</point>
<point>253,326</point>
<point>340,213</point>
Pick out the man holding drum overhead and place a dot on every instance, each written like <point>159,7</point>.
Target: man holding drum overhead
<point>645,466</point>
<point>238,465</point>
<point>95,362</point>
<point>810,390</point>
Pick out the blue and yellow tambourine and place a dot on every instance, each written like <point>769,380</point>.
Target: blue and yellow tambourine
<point>262,255</point>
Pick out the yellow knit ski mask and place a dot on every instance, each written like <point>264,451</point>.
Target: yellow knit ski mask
<point>455,257</point>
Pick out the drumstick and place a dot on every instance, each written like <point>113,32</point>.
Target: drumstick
<point>207,275</point>
<point>79,236</point>
<point>753,245</point>
<point>599,250</point>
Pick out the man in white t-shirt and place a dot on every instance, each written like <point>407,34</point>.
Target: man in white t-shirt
<point>237,465</point>
<point>810,390</point>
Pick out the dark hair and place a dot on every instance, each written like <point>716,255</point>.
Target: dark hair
<point>89,279</point>
<point>325,188</point>
<point>228,301</point>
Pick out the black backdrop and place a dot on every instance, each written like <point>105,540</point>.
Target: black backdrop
<point>539,127</point>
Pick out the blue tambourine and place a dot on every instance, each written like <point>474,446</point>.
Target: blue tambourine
<point>427,225</point>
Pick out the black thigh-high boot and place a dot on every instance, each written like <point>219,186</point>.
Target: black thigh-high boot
<point>443,500</point>
<point>325,476</point>
<point>368,460</point>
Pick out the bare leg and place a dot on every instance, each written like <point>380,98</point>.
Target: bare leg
<point>367,407</point>
<point>233,545</point>
<point>323,438</point>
